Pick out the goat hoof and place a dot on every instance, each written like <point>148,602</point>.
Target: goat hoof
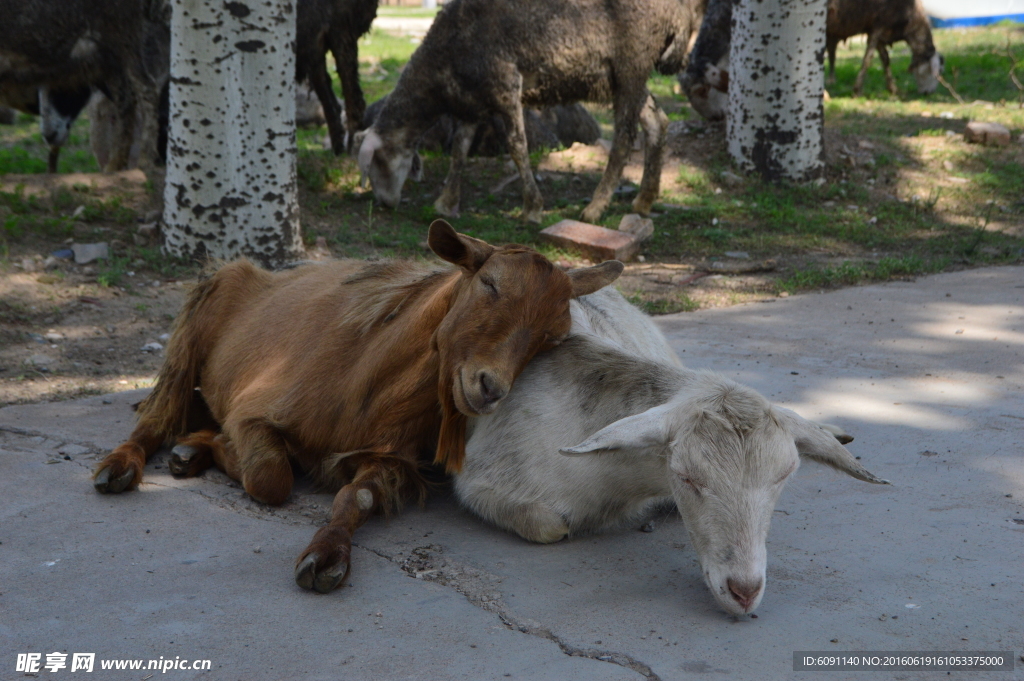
<point>104,485</point>
<point>181,459</point>
<point>325,581</point>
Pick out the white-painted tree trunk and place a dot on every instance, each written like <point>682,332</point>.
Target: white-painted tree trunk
<point>230,185</point>
<point>776,117</point>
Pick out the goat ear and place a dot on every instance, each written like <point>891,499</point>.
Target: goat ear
<point>639,431</point>
<point>821,444</point>
<point>590,279</point>
<point>459,249</point>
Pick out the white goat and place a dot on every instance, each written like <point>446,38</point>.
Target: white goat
<point>652,431</point>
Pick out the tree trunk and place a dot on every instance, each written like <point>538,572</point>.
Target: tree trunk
<point>776,117</point>
<point>230,186</point>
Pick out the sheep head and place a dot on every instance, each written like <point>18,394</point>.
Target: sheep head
<point>387,163</point>
<point>729,453</point>
<point>927,71</point>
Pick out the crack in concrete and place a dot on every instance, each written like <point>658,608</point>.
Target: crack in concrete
<point>481,589</point>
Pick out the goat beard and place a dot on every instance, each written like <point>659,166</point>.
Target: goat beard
<point>451,441</point>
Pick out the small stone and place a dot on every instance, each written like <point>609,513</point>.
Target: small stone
<point>640,227</point>
<point>28,265</point>
<point>139,240</point>
<point>731,179</point>
<point>784,294</point>
<point>149,229</point>
<point>152,216</point>
<point>989,134</point>
<point>742,255</point>
<point>78,212</point>
<point>948,115</point>
<point>54,336</point>
<point>649,527</point>
<point>164,337</point>
<point>86,253</point>
<point>864,144</point>
<point>595,242</point>
<point>152,347</point>
<point>40,360</point>
<point>51,263</point>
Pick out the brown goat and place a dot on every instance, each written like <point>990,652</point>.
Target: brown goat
<point>353,371</point>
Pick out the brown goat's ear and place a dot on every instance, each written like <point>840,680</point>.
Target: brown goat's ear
<point>458,249</point>
<point>594,278</point>
<point>821,445</point>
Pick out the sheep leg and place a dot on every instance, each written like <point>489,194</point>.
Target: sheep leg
<point>890,82</point>
<point>865,65</point>
<point>321,82</point>
<point>627,111</point>
<point>324,564</point>
<point>123,96</point>
<point>51,161</point>
<point>831,80</point>
<point>147,96</point>
<point>510,108</point>
<point>447,203</point>
<point>346,59</point>
<point>654,124</point>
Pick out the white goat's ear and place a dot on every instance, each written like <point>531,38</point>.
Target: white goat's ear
<point>590,279</point>
<point>640,431</point>
<point>821,445</point>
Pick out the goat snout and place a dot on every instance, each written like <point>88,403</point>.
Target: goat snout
<point>491,390</point>
<point>745,593</point>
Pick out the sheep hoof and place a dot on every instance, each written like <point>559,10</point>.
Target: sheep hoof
<point>446,209</point>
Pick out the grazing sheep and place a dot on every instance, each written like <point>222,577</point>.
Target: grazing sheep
<point>334,25</point>
<point>885,22</point>
<point>491,57</point>
<point>609,426</point>
<point>706,78</point>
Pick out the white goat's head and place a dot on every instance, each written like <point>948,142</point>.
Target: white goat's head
<point>927,72</point>
<point>729,454</point>
<point>386,163</point>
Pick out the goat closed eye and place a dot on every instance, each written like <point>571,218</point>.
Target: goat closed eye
<point>489,285</point>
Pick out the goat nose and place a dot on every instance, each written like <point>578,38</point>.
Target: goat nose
<point>490,389</point>
<point>745,593</point>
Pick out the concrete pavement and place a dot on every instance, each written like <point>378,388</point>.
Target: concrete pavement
<point>927,375</point>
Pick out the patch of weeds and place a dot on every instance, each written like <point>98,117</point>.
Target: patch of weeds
<point>680,302</point>
<point>141,308</point>
<point>19,160</point>
<point>112,210</point>
<point>112,273</point>
<point>849,273</point>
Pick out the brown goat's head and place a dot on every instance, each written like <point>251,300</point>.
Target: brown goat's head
<point>510,304</point>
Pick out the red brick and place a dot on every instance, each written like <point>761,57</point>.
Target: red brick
<point>989,134</point>
<point>594,242</point>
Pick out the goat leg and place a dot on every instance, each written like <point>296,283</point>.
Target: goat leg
<point>122,469</point>
<point>447,203</point>
<point>627,111</point>
<point>324,564</point>
<point>654,123</point>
